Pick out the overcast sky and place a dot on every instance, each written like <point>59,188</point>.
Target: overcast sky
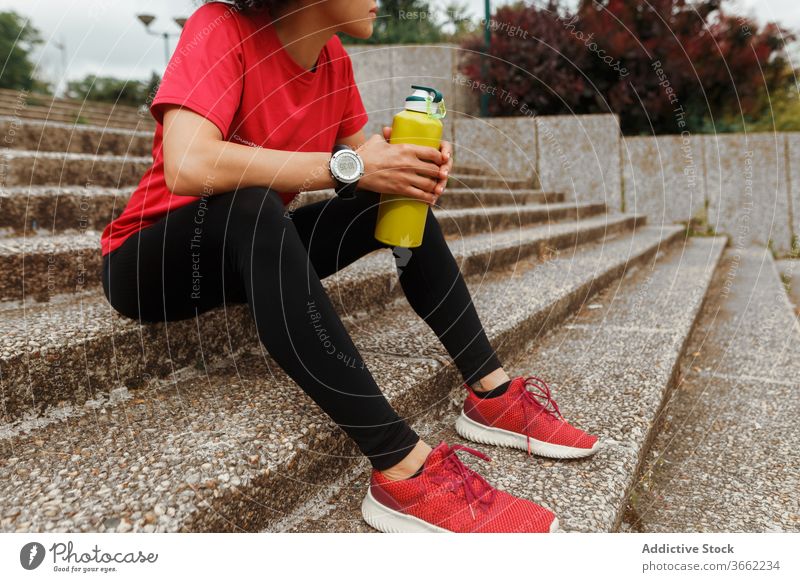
<point>104,37</point>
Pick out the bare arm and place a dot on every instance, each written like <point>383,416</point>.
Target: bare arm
<point>198,161</point>
<point>354,141</point>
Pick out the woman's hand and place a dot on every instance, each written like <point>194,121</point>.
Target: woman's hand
<point>408,170</point>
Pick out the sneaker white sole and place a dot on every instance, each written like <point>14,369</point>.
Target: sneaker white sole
<point>387,520</point>
<point>474,431</point>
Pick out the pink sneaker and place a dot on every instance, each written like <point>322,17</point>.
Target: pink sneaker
<point>525,417</point>
<point>449,496</point>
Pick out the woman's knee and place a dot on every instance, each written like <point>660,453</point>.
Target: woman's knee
<point>122,290</point>
<point>259,228</point>
<point>254,213</point>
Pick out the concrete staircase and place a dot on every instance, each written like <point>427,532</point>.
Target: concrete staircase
<point>725,458</point>
<point>108,425</point>
<point>33,106</point>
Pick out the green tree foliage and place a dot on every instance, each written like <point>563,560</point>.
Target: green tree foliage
<point>458,21</point>
<point>17,40</point>
<point>113,90</point>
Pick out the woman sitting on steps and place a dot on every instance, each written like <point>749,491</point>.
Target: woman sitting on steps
<point>252,103</point>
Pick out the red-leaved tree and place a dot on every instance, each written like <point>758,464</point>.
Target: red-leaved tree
<point>662,65</point>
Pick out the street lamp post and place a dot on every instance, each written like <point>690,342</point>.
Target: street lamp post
<point>62,47</point>
<point>147,20</point>
<point>487,41</point>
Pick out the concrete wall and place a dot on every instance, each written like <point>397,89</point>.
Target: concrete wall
<point>746,186</point>
<point>506,145</point>
<point>663,177</point>
<point>580,156</point>
<point>743,185</point>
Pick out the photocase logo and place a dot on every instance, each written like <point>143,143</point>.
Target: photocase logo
<point>402,256</point>
<point>31,555</point>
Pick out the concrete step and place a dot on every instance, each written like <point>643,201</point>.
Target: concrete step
<point>471,170</point>
<point>41,265</point>
<point>240,447</point>
<point>457,180</point>
<point>475,220</point>
<point>79,113</point>
<point>11,96</point>
<point>31,168</point>
<point>609,367</point>
<point>76,117</point>
<point>64,208</point>
<point>489,171</point>
<point>38,267</point>
<point>38,136</point>
<point>725,459</point>
<point>68,350</point>
<point>58,209</point>
<point>472,197</point>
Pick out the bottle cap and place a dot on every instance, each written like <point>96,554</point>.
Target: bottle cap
<point>426,100</point>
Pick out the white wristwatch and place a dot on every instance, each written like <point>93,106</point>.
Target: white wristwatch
<point>346,168</point>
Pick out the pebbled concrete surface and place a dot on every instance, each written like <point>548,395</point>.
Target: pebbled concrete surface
<point>458,197</point>
<point>134,463</point>
<point>609,369</point>
<point>224,450</point>
<point>457,180</point>
<point>726,457</point>
<point>39,267</point>
<point>52,136</point>
<point>80,116</point>
<point>470,220</point>
<point>83,344</point>
<point>26,168</point>
<point>56,209</point>
<point>49,265</point>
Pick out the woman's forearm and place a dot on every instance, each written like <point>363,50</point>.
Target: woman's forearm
<point>214,167</point>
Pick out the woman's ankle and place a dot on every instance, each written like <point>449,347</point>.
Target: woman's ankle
<point>492,380</point>
<point>410,464</point>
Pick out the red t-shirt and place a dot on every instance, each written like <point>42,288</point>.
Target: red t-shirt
<point>231,67</point>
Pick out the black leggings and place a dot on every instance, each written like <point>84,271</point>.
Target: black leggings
<point>244,246</point>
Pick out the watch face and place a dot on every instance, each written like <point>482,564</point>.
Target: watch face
<point>348,166</point>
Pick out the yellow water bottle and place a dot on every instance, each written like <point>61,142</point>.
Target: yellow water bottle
<point>401,220</point>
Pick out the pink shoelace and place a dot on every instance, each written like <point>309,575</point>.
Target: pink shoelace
<point>451,464</point>
<point>539,398</point>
